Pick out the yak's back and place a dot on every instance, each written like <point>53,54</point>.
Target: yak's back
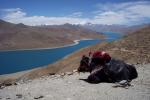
<point>119,70</point>
<point>116,65</point>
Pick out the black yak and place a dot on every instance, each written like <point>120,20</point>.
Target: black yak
<point>111,71</point>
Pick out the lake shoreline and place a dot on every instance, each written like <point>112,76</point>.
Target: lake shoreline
<point>21,73</point>
<point>68,45</point>
<point>17,75</point>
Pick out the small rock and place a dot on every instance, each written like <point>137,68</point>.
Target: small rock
<point>20,81</point>
<point>8,98</point>
<point>19,95</point>
<point>38,97</point>
<point>75,71</point>
<point>1,87</point>
<point>4,84</point>
<point>69,73</point>
<point>7,83</point>
<point>15,83</point>
<point>62,75</point>
<point>51,73</point>
<point>57,76</point>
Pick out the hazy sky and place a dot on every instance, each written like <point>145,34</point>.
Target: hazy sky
<point>49,12</point>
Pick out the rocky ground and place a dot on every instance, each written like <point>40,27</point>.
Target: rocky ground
<point>69,87</point>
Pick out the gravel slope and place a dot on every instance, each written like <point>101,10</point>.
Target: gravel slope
<point>69,87</point>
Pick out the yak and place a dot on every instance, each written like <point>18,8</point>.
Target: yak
<point>114,71</point>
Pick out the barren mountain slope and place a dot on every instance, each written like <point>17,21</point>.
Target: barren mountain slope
<point>20,36</point>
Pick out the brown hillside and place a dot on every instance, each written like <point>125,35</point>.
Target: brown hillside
<point>20,36</point>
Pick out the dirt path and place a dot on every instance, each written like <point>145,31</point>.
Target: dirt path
<point>70,87</point>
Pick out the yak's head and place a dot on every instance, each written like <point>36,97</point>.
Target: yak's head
<point>84,64</point>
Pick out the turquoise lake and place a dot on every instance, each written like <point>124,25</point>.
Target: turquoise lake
<point>20,60</point>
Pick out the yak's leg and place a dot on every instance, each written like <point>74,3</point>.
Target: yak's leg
<point>93,78</point>
<point>125,79</point>
<point>125,83</point>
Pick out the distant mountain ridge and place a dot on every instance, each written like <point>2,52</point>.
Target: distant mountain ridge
<point>20,36</point>
<point>113,28</point>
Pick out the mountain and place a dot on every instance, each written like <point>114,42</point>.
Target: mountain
<point>20,36</point>
<point>113,28</point>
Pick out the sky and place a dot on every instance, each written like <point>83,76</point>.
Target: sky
<point>57,12</point>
